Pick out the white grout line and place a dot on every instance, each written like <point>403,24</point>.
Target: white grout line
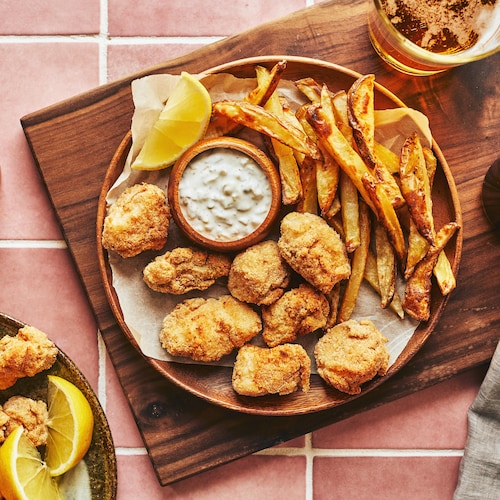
<point>33,244</point>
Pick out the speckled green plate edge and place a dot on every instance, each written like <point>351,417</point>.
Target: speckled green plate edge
<point>101,458</point>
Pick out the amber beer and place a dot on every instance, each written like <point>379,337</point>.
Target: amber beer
<point>423,37</point>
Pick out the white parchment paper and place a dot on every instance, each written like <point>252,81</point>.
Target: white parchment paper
<point>144,309</point>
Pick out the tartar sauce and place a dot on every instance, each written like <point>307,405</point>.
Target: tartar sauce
<point>224,194</point>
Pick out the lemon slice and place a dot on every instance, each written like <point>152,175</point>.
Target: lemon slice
<point>71,423</point>
<point>182,122</point>
<point>23,474</point>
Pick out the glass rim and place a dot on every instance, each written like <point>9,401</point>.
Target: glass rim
<point>452,59</point>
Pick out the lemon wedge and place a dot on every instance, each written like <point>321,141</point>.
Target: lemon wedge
<point>23,474</point>
<point>182,122</point>
<point>71,423</point>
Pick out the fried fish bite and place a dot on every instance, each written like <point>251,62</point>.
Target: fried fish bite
<point>259,274</point>
<point>208,329</point>
<point>280,370</point>
<point>350,354</point>
<point>298,312</point>
<point>28,413</point>
<point>314,250</point>
<point>137,221</point>
<point>185,269</point>
<point>28,353</point>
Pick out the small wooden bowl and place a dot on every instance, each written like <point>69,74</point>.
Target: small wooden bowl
<point>255,154</point>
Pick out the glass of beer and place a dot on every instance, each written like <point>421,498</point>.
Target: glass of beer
<point>424,37</point>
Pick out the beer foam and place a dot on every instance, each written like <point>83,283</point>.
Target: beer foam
<point>465,21</point>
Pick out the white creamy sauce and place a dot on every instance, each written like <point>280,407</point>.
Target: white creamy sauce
<point>224,194</point>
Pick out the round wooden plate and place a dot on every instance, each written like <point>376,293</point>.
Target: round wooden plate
<point>214,383</point>
<point>100,458</point>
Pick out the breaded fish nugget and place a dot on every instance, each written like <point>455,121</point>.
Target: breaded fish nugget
<point>280,370</point>
<point>30,414</point>
<point>298,312</point>
<point>208,329</point>
<point>314,250</point>
<point>185,269</point>
<point>137,221</point>
<point>350,354</point>
<point>259,274</point>
<point>28,353</point>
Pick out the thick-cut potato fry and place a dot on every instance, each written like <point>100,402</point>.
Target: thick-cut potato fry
<point>310,88</point>
<point>430,163</point>
<point>339,103</point>
<point>327,181</point>
<point>291,185</point>
<point>340,149</point>
<point>415,186</point>
<point>418,288</point>
<point>387,216</point>
<point>309,200</point>
<point>417,248</point>
<point>371,276</point>
<point>358,265</point>
<point>257,118</point>
<point>361,113</point>
<point>444,274</point>
<point>386,266</point>
<point>349,207</point>
<point>387,158</point>
<point>391,187</point>
<point>334,301</point>
<point>267,82</point>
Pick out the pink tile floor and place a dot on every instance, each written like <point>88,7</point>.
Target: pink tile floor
<point>51,50</point>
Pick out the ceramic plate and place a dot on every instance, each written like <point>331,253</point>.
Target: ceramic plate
<point>214,383</point>
<point>100,459</point>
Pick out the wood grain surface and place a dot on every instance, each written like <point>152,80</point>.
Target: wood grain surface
<point>73,143</point>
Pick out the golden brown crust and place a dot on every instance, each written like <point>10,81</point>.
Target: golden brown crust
<point>28,413</point>
<point>185,269</point>
<point>259,371</point>
<point>298,312</point>
<point>350,354</point>
<point>208,329</point>
<point>259,275</point>
<point>137,221</point>
<point>28,353</point>
<point>314,250</point>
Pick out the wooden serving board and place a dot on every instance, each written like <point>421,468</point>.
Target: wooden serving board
<point>73,142</point>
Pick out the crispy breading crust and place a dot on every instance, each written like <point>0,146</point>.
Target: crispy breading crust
<point>30,414</point>
<point>208,329</point>
<point>314,250</point>
<point>350,354</point>
<point>185,269</point>
<point>298,312</point>
<point>280,370</point>
<point>137,221</point>
<point>259,275</point>
<point>28,353</point>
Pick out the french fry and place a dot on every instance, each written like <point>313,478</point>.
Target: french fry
<point>334,301</point>
<point>291,185</point>
<point>327,181</point>
<point>361,113</point>
<point>386,266</point>
<point>358,265</point>
<point>444,274</point>
<point>349,207</point>
<point>417,297</point>
<point>415,186</point>
<point>387,216</point>
<point>339,103</point>
<point>387,158</point>
<point>371,277</point>
<point>267,82</point>
<point>310,88</point>
<point>257,118</point>
<point>391,187</point>
<point>340,149</point>
<point>309,200</point>
<point>417,249</point>
<point>430,163</point>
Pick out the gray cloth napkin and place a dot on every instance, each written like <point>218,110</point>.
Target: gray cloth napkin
<point>479,476</point>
